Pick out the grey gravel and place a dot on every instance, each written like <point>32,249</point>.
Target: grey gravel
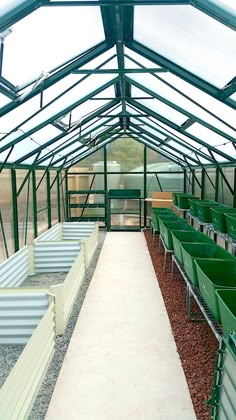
<point>44,280</point>
<point>8,357</point>
<point>40,406</point>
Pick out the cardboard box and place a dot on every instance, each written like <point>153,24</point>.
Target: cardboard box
<point>162,199</point>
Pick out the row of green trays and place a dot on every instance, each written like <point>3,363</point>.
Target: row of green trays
<point>217,285</point>
<point>156,212</point>
<point>181,200</point>
<point>208,266</point>
<point>167,226</point>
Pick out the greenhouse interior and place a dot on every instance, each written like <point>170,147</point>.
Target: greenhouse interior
<point>117,209</point>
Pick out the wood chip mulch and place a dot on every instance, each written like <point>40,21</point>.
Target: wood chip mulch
<point>195,341</point>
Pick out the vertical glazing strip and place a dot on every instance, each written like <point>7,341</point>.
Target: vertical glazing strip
<point>107,215</point>
<point>185,180</point>
<point>27,211</point>
<point>217,185</point>
<point>49,199</point>
<point>234,198</point>
<point>193,182</point>
<point>34,193</point>
<point>145,185</point>
<point>203,185</point>
<point>15,210</point>
<point>58,197</point>
<point>67,196</point>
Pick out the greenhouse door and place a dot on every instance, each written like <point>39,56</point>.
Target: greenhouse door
<point>124,209</point>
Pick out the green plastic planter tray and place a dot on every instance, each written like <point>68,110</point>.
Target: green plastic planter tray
<point>227,306</point>
<point>164,210</point>
<point>204,212</point>
<point>213,275</point>
<point>231,225</point>
<point>169,218</point>
<point>192,252</point>
<point>183,200</point>
<point>218,217</point>
<point>175,197</point>
<point>168,227</point>
<point>155,212</point>
<point>193,207</point>
<point>179,237</point>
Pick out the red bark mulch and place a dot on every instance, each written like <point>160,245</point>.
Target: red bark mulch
<point>195,341</point>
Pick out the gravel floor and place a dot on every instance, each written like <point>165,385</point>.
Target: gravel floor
<point>8,357</point>
<point>45,393</point>
<point>195,342</point>
<point>44,279</point>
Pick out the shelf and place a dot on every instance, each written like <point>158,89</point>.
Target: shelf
<point>86,206</point>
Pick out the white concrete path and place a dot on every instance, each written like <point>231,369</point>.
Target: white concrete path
<point>122,362</point>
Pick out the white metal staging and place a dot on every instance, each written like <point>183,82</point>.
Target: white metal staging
<point>122,361</point>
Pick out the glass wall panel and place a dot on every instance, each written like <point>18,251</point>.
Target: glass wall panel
<point>225,196</point>
<point>197,185</point>
<point>25,208</point>
<point>125,155</point>
<point>209,188</point>
<point>6,220</point>
<point>53,195</point>
<point>41,201</point>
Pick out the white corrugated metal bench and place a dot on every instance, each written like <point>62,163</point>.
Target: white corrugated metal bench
<point>33,316</point>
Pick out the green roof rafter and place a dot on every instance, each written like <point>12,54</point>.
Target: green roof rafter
<point>178,129</point>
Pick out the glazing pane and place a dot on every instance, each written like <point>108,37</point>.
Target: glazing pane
<point>190,39</point>
<point>49,45</point>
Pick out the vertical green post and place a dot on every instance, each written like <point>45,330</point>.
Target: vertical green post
<point>107,215</point>
<point>58,197</point>
<point>67,196</point>
<point>234,197</point>
<point>203,182</point>
<point>49,199</point>
<point>15,210</point>
<point>145,185</point>
<point>217,185</point>
<point>34,193</point>
<point>193,181</point>
<point>185,180</point>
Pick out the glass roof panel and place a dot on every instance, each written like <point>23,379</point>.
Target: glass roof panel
<point>106,93</point>
<point>129,64</point>
<point>164,110</point>
<point>66,100</point>
<point>176,98</point>
<point>190,39</point>
<point>218,108</point>
<point>3,100</point>
<point>15,117</point>
<point>53,32</point>
<point>206,135</point>
<point>7,5</point>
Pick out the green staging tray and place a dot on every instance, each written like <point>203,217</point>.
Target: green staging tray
<point>231,225</point>
<point>215,274</point>
<point>227,305</point>
<point>183,200</point>
<point>218,217</point>
<point>179,237</point>
<point>159,210</point>
<point>169,226</point>
<point>223,398</point>
<point>175,197</point>
<point>204,212</point>
<point>193,207</point>
<point>194,251</point>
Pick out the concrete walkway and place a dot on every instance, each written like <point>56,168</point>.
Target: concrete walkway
<point>122,362</point>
